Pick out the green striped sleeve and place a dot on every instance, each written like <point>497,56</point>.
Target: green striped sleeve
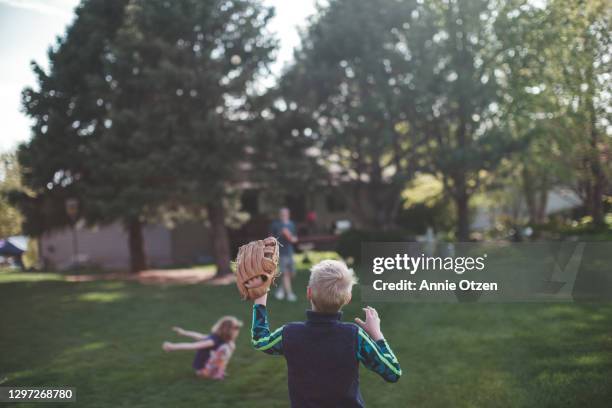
<point>261,337</point>
<point>378,357</point>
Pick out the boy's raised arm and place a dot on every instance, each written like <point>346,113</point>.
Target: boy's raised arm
<point>261,338</point>
<point>373,350</point>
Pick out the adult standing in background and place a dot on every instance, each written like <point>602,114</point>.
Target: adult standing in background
<point>284,230</point>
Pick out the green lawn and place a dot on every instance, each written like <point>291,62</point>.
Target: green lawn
<point>104,339</point>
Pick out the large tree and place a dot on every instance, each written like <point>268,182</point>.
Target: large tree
<point>141,110</point>
<point>67,117</point>
<point>458,92</point>
<point>346,80</point>
<point>558,93</point>
<point>530,106</point>
<point>578,78</point>
<point>177,78</point>
<point>393,88</point>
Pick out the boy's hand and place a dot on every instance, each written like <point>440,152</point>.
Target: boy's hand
<point>167,346</point>
<point>262,300</point>
<point>178,330</point>
<point>372,323</point>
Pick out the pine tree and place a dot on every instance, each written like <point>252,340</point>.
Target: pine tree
<point>178,75</point>
<point>67,117</point>
<point>142,110</point>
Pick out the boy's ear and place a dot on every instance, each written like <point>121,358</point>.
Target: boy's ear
<point>308,293</point>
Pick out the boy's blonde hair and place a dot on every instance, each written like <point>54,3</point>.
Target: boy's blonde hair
<point>224,327</point>
<point>331,283</point>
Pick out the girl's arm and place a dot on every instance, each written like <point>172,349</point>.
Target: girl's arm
<point>168,346</point>
<point>188,333</point>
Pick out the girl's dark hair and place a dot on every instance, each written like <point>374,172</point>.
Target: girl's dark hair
<point>224,327</point>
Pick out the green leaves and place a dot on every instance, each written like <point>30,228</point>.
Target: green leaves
<point>143,103</point>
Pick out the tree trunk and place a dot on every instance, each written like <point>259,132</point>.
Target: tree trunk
<point>138,258</point>
<point>535,189</point>
<point>542,204</point>
<point>587,195</point>
<point>463,216</point>
<point>530,196</point>
<point>220,237</point>
<point>596,167</point>
<point>461,197</point>
<point>43,262</point>
<point>597,200</point>
<point>597,185</point>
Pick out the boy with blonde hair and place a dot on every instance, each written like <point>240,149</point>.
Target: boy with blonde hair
<point>323,353</point>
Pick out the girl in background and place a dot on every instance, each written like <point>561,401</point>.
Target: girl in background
<point>213,351</point>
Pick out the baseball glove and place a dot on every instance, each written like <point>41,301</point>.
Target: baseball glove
<point>256,267</point>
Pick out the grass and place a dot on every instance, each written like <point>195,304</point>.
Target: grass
<point>104,339</point>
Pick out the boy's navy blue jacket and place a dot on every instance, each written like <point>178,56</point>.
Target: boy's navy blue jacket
<point>323,356</point>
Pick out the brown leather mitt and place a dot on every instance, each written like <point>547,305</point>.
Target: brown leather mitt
<point>256,267</point>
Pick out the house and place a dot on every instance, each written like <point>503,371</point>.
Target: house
<point>558,200</point>
<point>106,246</point>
